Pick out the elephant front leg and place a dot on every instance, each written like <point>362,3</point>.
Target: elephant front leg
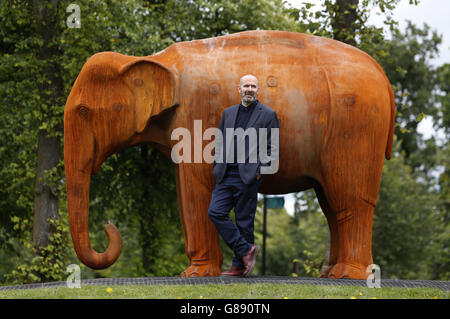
<point>194,186</point>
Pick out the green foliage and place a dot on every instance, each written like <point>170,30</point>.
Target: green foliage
<point>406,222</point>
<point>188,20</point>
<point>47,265</point>
<point>351,25</point>
<point>302,237</point>
<point>310,234</point>
<point>441,259</point>
<point>414,79</point>
<point>443,96</point>
<point>145,213</point>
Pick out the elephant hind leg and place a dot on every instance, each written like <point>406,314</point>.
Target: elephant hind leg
<point>331,254</point>
<point>351,178</point>
<point>354,248</point>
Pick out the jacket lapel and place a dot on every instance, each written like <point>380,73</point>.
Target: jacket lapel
<point>230,124</point>
<point>256,113</point>
<point>232,120</point>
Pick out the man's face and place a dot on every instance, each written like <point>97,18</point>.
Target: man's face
<point>248,89</point>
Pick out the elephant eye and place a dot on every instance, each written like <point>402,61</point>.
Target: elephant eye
<point>83,110</point>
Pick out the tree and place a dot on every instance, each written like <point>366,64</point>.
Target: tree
<point>441,268</point>
<point>405,222</point>
<point>301,237</point>
<point>443,98</point>
<point>41,57</point>
<point>29,51</point>
<point>344,20</point>
<point>441,260</point>
<point>46,26</point>
<point>408,67</point>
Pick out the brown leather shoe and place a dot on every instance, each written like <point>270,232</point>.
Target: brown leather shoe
<point>236,271</point>
<point>250,260</point>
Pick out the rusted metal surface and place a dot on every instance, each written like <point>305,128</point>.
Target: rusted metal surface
<point>336,115</point>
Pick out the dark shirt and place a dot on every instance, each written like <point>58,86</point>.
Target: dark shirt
<point>242,118</point>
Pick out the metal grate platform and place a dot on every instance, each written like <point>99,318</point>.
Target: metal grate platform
<point>442,285</point>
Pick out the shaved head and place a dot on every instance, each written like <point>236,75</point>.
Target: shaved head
<point>248,76</point>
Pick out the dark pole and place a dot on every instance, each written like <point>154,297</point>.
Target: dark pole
<point>264,238</point>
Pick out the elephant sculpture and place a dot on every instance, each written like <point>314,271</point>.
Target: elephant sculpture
<point>336,115</point>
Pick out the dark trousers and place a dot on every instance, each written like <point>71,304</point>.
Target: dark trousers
<point>233,192</point>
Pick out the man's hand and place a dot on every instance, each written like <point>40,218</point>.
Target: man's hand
<point>258,177</point>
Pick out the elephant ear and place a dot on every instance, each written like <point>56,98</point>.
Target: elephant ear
<point>154,87</point>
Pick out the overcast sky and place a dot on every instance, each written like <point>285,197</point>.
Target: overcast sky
<point>436,13</point>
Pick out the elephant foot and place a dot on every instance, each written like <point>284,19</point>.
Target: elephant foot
<point>325,271</point>
<point>206,270</point>
<point>353,271</point>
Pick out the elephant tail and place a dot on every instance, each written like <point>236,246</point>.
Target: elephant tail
<point>390,139</point>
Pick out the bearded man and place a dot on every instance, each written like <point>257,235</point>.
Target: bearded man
<point>238,172</point>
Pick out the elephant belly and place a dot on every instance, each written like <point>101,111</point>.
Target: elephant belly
<point>273,185</point>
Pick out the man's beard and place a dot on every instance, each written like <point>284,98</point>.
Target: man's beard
<point>248,98</point>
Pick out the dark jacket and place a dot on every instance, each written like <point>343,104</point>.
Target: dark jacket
<point>262,117</point>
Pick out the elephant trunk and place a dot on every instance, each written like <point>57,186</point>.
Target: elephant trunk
<point>78,177</point>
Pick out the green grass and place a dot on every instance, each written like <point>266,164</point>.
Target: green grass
<point>230,291</point>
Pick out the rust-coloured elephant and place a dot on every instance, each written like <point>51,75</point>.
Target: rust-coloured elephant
<point>336,114</point>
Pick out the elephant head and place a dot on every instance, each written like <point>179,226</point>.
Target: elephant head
<point>108,109</point>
